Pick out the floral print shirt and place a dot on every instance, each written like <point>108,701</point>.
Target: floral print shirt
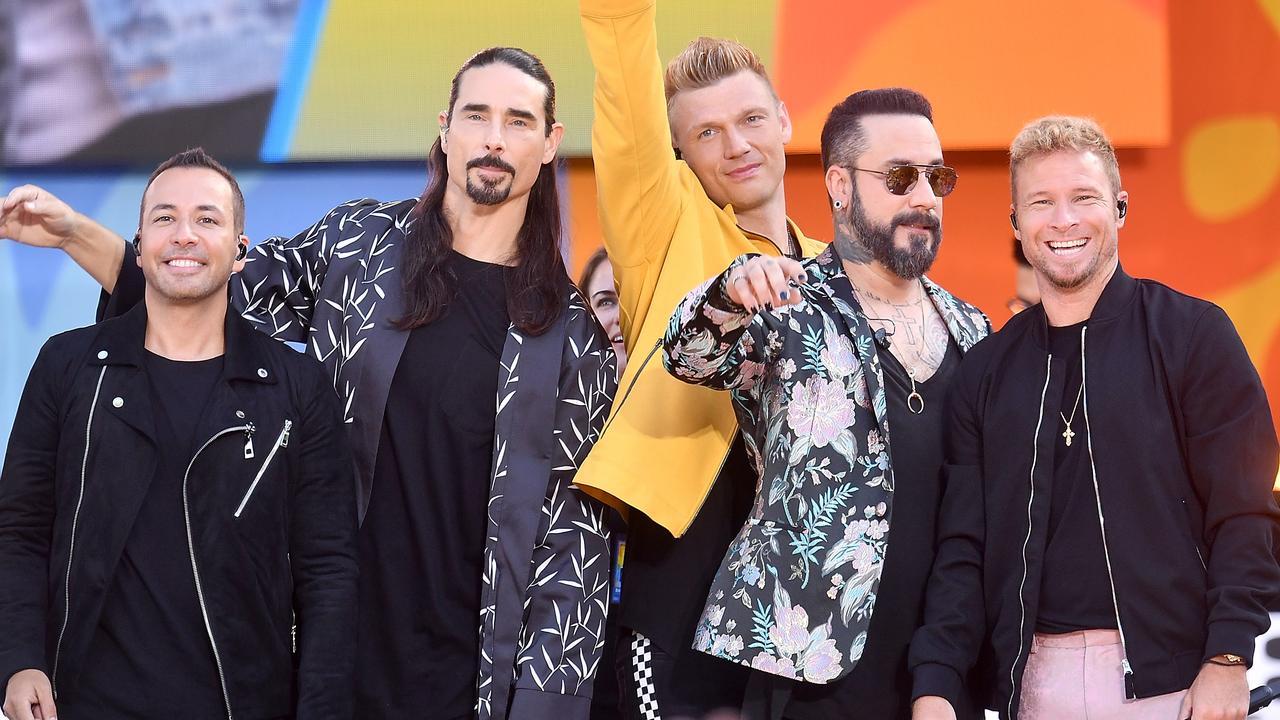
<point>795,592</point>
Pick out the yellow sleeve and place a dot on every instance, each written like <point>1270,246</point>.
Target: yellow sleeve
<point>637,174</point>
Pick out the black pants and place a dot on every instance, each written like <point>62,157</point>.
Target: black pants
<point>654,683</point>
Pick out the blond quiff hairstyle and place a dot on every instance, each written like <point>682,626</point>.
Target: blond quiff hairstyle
<point>706,61</point>
<point>1056,133</point>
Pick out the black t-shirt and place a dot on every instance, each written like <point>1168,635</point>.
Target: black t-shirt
<point>879,686</point>
<point>150,655</point>
<point>666,579</point>
<point>422,541</point>
<point>1075,591</point>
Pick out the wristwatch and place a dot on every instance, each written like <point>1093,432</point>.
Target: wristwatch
<point>1227,659</point>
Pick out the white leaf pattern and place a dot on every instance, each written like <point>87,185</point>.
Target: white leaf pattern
<point>326,287</point>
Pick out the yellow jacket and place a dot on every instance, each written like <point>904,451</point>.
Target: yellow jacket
<point>666,440</point>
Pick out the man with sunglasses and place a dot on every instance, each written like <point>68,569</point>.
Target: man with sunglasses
<point>823,586</point>
<point>1107,526</point>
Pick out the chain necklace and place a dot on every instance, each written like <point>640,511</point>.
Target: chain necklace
<point>915,401</point>
<point>1069,433</point>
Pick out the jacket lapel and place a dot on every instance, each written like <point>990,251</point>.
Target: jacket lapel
<point>371,355</point>
<point>528,387</point>
<point>963,328</point>
<point>840,288</point>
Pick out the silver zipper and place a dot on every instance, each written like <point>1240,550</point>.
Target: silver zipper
<point>617,409</point>
<point>1194,545</point>
<point>248,442</point>
<point>195,571</point>
<point>1129,691</point>
<point>75,519</point>
<point>281,441</point>
<point>1022,605</point>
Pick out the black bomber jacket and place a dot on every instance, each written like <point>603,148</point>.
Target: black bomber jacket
<point>1183,449</point>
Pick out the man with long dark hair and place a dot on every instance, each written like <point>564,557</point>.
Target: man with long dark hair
<point>475,380</point>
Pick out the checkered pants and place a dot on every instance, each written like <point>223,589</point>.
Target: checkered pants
<point>640,667</point>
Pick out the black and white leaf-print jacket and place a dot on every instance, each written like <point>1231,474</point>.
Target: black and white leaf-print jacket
<point>336,287</point>
<point>797,587</point>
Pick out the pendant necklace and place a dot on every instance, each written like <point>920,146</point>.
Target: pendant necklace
<point>915,397</point>
<point>1069,433</point>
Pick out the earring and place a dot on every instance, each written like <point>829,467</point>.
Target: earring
<point>838,204</point>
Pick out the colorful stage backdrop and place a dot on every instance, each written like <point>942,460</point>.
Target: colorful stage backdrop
<point>1187,89</point>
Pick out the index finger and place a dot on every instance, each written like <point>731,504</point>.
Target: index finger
<point>792,269</point>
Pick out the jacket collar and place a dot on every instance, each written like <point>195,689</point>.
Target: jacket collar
<point>1115,297</point>
<point>808,246</point>
<point>120,341</point>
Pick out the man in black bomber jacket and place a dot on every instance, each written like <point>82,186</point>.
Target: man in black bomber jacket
<point>177,520</point>
<point>1106,533</point>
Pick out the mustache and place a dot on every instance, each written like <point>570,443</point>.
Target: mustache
<point>916,217</point>
<point>491,161</point>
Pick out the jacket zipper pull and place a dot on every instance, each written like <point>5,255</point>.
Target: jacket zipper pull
<point>1129,692</point>
<point>248,442</point>
<point>284,439</point>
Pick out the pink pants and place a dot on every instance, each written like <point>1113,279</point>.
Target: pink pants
<point>1077,676</point>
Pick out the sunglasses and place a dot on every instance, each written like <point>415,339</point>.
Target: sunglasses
<point>902,179</point>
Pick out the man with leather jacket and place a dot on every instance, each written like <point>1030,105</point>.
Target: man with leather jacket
<point>177,519</point>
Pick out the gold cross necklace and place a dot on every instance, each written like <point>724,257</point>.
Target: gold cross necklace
<point>1069,433</point>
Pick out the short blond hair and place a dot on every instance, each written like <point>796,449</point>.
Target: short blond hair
<point>1056,133</point>
<point>706,61</point>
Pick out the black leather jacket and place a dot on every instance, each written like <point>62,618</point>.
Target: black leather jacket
<point>270,528</point>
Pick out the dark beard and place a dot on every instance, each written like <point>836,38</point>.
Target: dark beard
<point>909,263</point>
<point>489,192</point>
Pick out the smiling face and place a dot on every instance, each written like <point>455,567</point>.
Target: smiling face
<point>187,240</point>
<point>1067,215</point>
<point>496,139</point>
<point>732,134</point>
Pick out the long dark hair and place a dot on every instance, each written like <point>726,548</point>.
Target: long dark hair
<point>536,284</point>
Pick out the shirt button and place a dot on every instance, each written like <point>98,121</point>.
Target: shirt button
<point>102,354</point>
<point>118,402</point>
<point>262,372</point>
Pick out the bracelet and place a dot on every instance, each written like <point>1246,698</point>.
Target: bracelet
<point>1223,663</point>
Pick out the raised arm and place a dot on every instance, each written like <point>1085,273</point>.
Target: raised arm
<point>637,174</point>
<point>33,216</point>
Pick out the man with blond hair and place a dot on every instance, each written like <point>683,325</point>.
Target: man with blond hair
<point>1123,436</point>
<point>689,177</point>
